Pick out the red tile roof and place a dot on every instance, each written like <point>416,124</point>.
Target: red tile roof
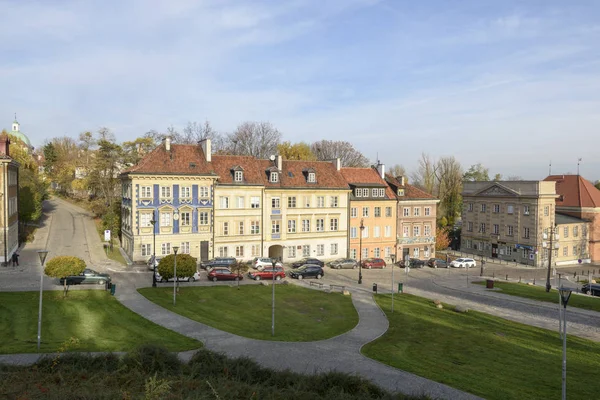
<point>410,192</point>
<point>183,159</point>
<point>362,176</point>
<point>575,191</point>
<point>293,174</point>
<point>224,164</point>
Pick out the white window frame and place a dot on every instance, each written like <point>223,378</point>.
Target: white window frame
<point>353,212</point>
<point>387,231</point>
<point>146,249</point>
<point>275,202</point>
<point>406,212</point>
<point>353,254</point>
<point>225,228</point>
<point>274,177</point>
<point>254,202</point>
<point>377,211</point>
<point>275,226</point>
<point>291,251</point>
<point>203,217</point>
<point>255,250</point>
<point>145,219</point>
<point>405,231</point>
<point>320,250</point>
<point>165,249</point>
<point>510,209</point>
<point>365,212</point>
<point>388,212</point>
<point>334,202</point>
<point>333,250</point>
<point>165,192</point>
<point>223,251</point>
<point>184,248</point>
<point>306,225</point>
<point>239,249</point>
<point>241,201</point>
<point>146,192</point>
<point>238,176</point>
<point>291,226</point>
<point>353,232</point>
<point>333,224</point>
<point>426,230</point>
<point>185,192</point>
<point>166,219</point>
<point>416,231</point>
<point>254,227</point>
<point>185,218</point>
<point>320,225</point>
<point>376,252</point>
<point>203,192</point>
<point>292,202</point>
<point>376,231</point>
<point>427,211</point>
<point>320,201</point>
<point>306,250</point>
<point>312,177</point>
<point>224,202</point>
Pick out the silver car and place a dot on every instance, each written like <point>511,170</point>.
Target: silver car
<point>463,263</point>
<point>346,263</point>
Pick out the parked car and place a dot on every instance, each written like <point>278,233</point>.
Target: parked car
<point>463,263</point>
<point>346,263</point>
<point>593,289</point>
<point>304,261</point>
<point>437,263</point>
<point>307,271</point>
<point>151,265</point>
<point>195,277</point>
<point>88,276</point>
<point>218,261</point>
<point>373,263</point>
<point>267,273</point>
<point>223,274</point>
<point>416,263</point>
<point>260,263</point>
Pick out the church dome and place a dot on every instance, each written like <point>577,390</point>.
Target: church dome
<point>16,132</point>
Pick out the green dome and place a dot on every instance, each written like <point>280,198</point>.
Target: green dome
<point>16,132</point>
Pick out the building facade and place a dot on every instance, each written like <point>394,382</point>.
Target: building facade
<point>570,241</point>
<point>507,220</point>
<point>372,214</point>
<point>9,201</point>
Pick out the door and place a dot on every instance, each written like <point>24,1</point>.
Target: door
<point>405,254</point>
<point>494,250</point>
<point>204,250</point>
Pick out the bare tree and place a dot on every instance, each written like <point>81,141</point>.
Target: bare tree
<point>397,170</point>
<point>258,139</point>
<point>514,178</point>
<point>425,177</point>
<point>348,155</point>
<point>195,132</point>
<point>449,175</point>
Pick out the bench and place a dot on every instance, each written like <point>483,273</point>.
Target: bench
<point>319,284</point>
<point>341,288</point>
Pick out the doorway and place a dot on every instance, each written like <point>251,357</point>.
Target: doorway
<point>276,252</point>
<point>494,250</point>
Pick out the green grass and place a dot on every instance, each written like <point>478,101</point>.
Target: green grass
<point>539,293</point>
<point>93,317</point>
<point>482,354</point>
<point>300,314</point>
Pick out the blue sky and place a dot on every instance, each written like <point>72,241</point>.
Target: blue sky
<point>510,84</point>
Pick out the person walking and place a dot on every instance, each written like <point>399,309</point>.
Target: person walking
<point>15,259</point>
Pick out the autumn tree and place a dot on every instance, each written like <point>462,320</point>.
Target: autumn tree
<point>258,139</point>
<point>442,239</point>
<point>61,156</point>
<point>326,150</point>
<point>476,173</point>
<point>296,151</point>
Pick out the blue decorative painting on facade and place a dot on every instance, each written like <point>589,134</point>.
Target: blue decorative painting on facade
<point>194,220</point>
<point>194,194</point>
<point>176,195</point>
<point>156,195</point>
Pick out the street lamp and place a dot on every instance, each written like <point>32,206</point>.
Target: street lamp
<point>175,250</point>
<point>42,254</point>
<point>153,222</point>
<point>565,294</point>
<point>552,232</point>
<point>393,258</point>
<point>362,228</point>
<point>274,263</point>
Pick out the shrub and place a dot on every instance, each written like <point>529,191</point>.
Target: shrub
<point>63,266</point>
<point>186,265</point>
<point>151,359</point>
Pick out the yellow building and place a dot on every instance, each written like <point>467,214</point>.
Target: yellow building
<point>570,242</point>
<point>9,203</point>
<point>372,213</point>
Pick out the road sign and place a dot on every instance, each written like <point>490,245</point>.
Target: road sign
<point>107,235</point>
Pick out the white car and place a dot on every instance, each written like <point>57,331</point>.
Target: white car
<point>193,278</point>
<point>260,263</point>
<point>463,263</point>
<point>149,263</point>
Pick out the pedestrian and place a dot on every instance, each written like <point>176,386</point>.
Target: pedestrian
<point>15,259</point>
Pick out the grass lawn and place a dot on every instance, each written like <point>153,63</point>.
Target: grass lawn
<point>539,293</point>
<point>300,314</point>
<point>485,355</point>
<point>94,317</point>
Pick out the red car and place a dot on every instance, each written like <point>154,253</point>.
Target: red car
<point>223,274</point>
<point>267,273</point>
<point>373,263</point>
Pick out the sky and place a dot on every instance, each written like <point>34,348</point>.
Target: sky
<point>513,85</point>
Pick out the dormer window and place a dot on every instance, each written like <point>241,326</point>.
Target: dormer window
<point>238,176</point>
<point>274,177</point>
<point>310,174</point>
<point>400,192</point>
<point>312,177</point>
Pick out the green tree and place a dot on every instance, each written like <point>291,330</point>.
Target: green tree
<point>240,268</point>
<point>477,172</point>
<point>186,266</point>
<point>597,184</point>
<point>498,177</point>
<point>62,266</point>
<point>135,150</point>
<point>296,151</point>
<point>449,176</point>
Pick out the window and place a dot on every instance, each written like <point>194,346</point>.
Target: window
<point>165,249</point>
<point>469,226</point>
<point>320,226</point>
<point>306,225</point>
<point>353,212</point>
<point>223,251</point>
<point>406,211</point>
<point>427,211</point>
<point>239,250</point>
<point>565,251</point>
<point>186,192</point>
<point>165,219</point>
<point>496,229</point>
<point>353,254</point>
<point>146,192</point>
<point>388,231</point>
<point>292,202</point>
<point>374,193</point>
<point>376,231</point>
<point>291,226</point>
<point>416,230</point>
<point>291,251</point>
<point>426,230</point>
<point>334,249</point>
<point>510,230</point>
<point>365,232</point>
<point>358,192</point>
<point>416,211</point>
<point>203,216</point>
<point>241,228</point>
<point>254,202</point>
<point>255,250</point>
<point>483,207</point>
<point>307,201</point>
<point>333,224</point>
<point>306,250</point>
<point>238,176</point>
<point>240,202</point>
<point>405,231</point>
<point>145,219</point>
<point>546,211</point>
<point>254,227</point>
<point>203,192</point>
<point>381,192</point>
<point>353,231</point>
<point>184,248</point>
<point>470,206</point>
<point>496,208</point>
<point>365,211</point>
<point>334,200</point>
<point>575,231</point>
<point>388,251</point>
<point>225,228</point>
<point>566,232</point>
<point>575,251</point>
<point>275,226</point>
<point>377,211</point>
<point>146,249</point>
<point>525,210</point>
<point>224,201</point>
<point>275,202</point>
<point>185,218</point>
<point>274,177</point>
<point>526,233</point>
<point>311,177</point>
<point>320,250</point>
<point>388,211</point>
<point>165,192</point>
<point>320,201</point>
<point>365,253</point>
<point>416,252</point>
<point>482,227</point>
<point>376,252</point>
<point>510,209</point>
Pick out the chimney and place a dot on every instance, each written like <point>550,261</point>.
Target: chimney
<point>279,161</point>
<point>337,162</point>
<point>4,145</point>
<point>206,149</point>
<point>168,143</point>
<point>401,180</point>
<point>381,170</point>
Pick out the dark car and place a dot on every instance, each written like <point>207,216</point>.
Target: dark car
<point>267,273</point>
<point>223,274</point>
<point>416,263</point>
<point>373,263</point>
<point>437,263</point>
<point>304,261</point>
<point>88,276</point>
<point>307,271</point>
<point>347,263</point>
<point>593,289</point>
<point>218,262</point>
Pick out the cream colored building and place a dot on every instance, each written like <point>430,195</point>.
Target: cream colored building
<point>570,242</point>
<point>507,219</point>
<point>9,201</point>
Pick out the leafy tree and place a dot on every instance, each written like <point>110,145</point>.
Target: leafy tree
<point>449,175</point>
<point>240,268</point>
<point>497,177</point>
<point>103,178</point>
<point>442,239</point>
<point>597,184</point>
<point>328,150</point>
<point>62,266</point>
<point>425,177</point>
<point>50,158</point>
<point>296,151</point>
<point>135,150</point>
<point>476,173</point>
<point>258,139</point>
<point>186,266</point>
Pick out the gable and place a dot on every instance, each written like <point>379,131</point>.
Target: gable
<point>496,190</point>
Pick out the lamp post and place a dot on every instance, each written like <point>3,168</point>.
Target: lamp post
<point>565,293</point>
<point>42,254</point>
<point>274,263</point>
<point>153,222</point>
<point>552,232</point>
<point>362,228</point>
<point>393,257</point>
<point>175,250</point>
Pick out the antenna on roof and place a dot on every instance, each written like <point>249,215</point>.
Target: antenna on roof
<point>578,161</point>
<point>550,168</point>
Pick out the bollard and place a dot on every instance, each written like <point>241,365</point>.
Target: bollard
<point>506,276</point>
<point>375,287</point>
<point>533,281</point>
<point>574,274</point>
<point>493,275</point>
